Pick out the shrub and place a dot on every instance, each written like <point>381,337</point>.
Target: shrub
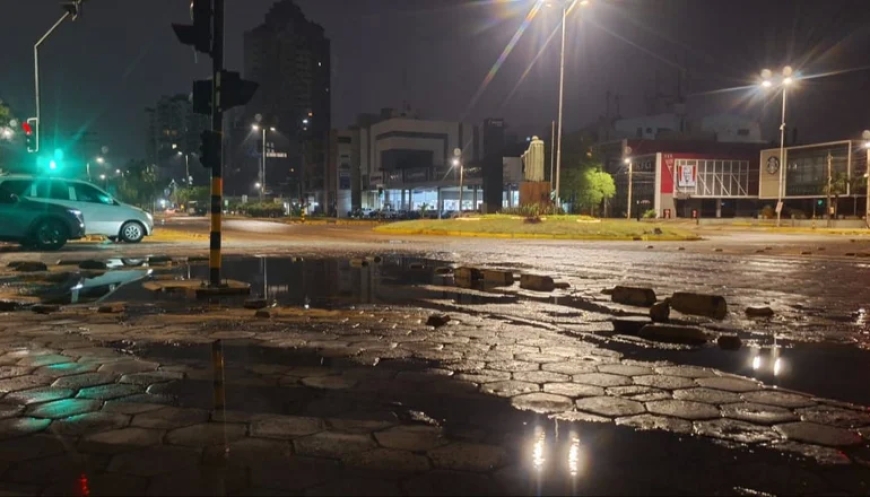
<point>264,209</point>
<point>650,214</point>
<point>534,210</point>
<point>768,212</point>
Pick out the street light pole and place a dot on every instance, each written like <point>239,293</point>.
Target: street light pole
<point>36,73</point>
<point>780,191</point>
<point>263,167</point>
<point>866,136</point>
<point>561,101</point>
<point>630,178</point>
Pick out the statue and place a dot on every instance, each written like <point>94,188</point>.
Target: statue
<point>533,161</point>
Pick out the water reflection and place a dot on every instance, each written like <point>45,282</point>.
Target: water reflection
<point>80,290</point>
<point>554,463</point>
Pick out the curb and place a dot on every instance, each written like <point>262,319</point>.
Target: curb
<point>534,236</point>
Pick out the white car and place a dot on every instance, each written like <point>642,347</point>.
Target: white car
<point>103,214</point>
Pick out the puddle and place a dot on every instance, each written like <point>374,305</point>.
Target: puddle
<point>827,370</point>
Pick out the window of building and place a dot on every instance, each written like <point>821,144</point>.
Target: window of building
<point>743,132</point>
<point>649,130</point>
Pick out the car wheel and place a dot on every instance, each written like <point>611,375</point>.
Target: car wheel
<point>49,234</point>
<point>132,232</point>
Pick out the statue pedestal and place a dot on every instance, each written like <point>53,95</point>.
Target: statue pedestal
<point>535,193</point>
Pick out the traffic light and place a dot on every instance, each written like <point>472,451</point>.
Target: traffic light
<point>198,34</point>
<point>73,7</point>
<point>31,134</point>
<point>210,148</point>
<point>235,92</point>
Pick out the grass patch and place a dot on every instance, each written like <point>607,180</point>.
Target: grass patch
<point>557,227</point>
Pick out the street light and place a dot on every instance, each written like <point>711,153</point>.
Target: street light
<point>567,5</point>
<point>784,83</point>
<point>100,160</point>
<point>262,187</point>
<point>866,136</point>
<point>457,162</point>
<point>630,164</point>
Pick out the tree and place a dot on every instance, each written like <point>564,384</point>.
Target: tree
<point>597,186</point>
<point>138,185</point>
<point>838,186</point>
<point>857,184</point>
<point>11,143</point>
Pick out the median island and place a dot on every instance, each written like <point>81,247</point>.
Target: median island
<point>545,227</point>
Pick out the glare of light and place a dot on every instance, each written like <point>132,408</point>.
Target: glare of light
<point>584,3</point>
<point>787,81</point>
<point>100,160</point>
<point>455,162</point>
<point>756,362</point>
<point>256,185</point>
<point>766,83</point>
<point>272,128</point>
<point>777,366</point>
<point>52,165</point>
<point>574,455</point>
<point>627,161</point>
<point>174,146</point>
<point>787,71</point>
<point>255,127</point>
<point>102,176</point>
<point>305,121</point>
<point>766,74</point>
<point>117,171</point>
<point>538,448</point>
<point>7,133</point>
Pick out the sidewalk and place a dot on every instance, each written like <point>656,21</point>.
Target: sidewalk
<point>372,401</point>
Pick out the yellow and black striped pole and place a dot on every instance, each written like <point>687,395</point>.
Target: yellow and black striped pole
<point>217,121</point>
<point>217,360</point>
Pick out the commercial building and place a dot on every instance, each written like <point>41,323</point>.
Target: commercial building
<point>289,56</point>
<point>682,178</point>
<point>806,174</point>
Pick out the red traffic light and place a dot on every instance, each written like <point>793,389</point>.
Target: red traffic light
<point>28,129</point>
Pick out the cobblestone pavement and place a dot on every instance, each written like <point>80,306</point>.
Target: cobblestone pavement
<point>373,401</point>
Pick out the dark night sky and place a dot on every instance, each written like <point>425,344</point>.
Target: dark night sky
<point>103,70</point>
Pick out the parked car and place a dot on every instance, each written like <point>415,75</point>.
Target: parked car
<point>103,214</point>
<point>40,225</point>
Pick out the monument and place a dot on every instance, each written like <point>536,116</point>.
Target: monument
<point>534,190</point>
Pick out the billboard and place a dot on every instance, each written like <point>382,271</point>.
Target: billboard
<point>686,176</point>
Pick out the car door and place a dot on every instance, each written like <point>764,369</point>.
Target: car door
<point>98,207</point>
<point>14,222</point>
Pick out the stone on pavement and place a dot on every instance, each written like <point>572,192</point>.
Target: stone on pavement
<point>613,407</point>
<point>121,440</point>
<point>509,388</point>
<point>206,434</point>
<point>729,342</point>
<point>58,409</point>
<point>817,434</point>
<point>699,304</point>
<point>108,392</point>
<point>573,390</point>
<point>39,395</point>
<point>835,416</point>
<point>83,380</point>
<point>634,296</point>
<point>169,418</point>
<point>537,283</point>
<point>759,311</point>
<point>736,385</point>
<point>652,422</point>
<point>542,402</point>
<point>91,422</point>
<point>666,382</point>
<point>758,413</point>
<point>736,431</point>
<point>18,427</point>
<point>660,312</point>
<point>602,379</point>
<point>332,444</point>
<point>286,427</point>
<point>780,399</point>
<point>707,395</point>
<point>683,409</point>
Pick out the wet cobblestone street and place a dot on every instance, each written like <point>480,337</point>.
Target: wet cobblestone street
<point>355,383</point>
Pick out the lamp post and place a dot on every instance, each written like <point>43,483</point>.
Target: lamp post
<point>630,165</point>
<point>784,83</point>
<point>457,161</point>
<point>566,7</point>
<point>257,127</point>
<point>866,136</point>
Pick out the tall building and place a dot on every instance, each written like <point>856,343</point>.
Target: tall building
<point>289,56</point>
<point>173,138</point>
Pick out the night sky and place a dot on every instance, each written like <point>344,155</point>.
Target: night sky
<point>100,72</point>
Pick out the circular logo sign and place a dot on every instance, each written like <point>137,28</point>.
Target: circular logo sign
<point>772,165</point>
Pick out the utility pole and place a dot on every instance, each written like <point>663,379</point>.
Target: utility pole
<point>830,181</point>
<point>552,151</point>
<point>630,179</point>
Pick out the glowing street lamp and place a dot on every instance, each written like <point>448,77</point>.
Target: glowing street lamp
<point>866,136</point>
<point>257,127</point>
<point>567,5</point>
<point>784,82</point>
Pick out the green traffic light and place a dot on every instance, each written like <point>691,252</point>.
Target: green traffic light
<point>52,165</point>
<point>58,154</point>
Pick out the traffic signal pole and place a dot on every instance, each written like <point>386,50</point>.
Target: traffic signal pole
<point>217,115</point>
<point>36,74</point>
